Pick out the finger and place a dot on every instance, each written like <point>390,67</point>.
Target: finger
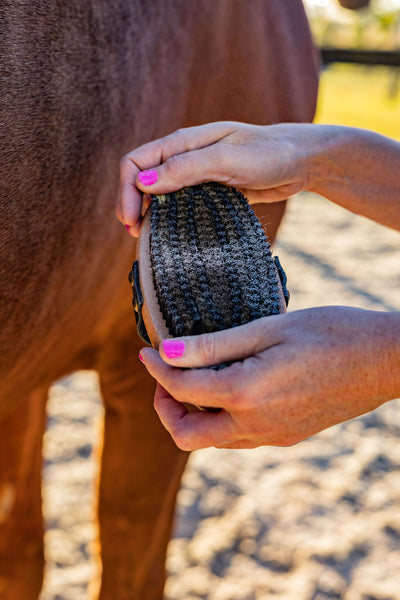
<point>183,140</point>
<point>216,348</point>
<point>189,168</point>
<point>169,410</point>
<point>223,162</point>
<point>129,205</point>
<point>200,387</point>
<point>193,430</point>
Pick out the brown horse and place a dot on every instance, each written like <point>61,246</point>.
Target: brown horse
<point>82,83</point>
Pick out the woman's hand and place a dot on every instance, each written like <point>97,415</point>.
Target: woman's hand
<point>267,163</point>
<point>298,373</point>
<point>352,167</point>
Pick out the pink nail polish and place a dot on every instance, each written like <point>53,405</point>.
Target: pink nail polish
<point>148,177</point>
<point>174,348</point>
<point>141,358</point>
<point>127,227</point>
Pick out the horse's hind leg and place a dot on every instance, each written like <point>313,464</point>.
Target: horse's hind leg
<point>140,474</point>
<point>21,526</point>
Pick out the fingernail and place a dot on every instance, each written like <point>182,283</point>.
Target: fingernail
<point>127,227</point>
<point>148,177</point>
<point>174,348</point>
<point>141,358</point>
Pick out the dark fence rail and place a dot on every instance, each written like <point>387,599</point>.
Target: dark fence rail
<point>389,58</point>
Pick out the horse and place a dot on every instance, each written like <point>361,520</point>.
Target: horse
<point>83,82</point>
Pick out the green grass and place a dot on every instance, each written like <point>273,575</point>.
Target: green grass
<point>361,97</point>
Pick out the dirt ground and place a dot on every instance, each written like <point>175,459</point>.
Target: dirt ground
<point>317,521</point>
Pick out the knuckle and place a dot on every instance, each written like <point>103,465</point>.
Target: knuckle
<point>231,392</point>
<point>182,440</point>
<point>180,132</point>
<point>289,440</point>
<point>238,400</point>
<point>237,386</point>
<point>175,165</point>
<point>184,445</point>
<point>123,164</point>
<point>126,166</point>
<point>222,160</point>
<point>207,349</point>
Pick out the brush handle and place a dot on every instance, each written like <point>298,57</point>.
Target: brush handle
<point>151,314</point>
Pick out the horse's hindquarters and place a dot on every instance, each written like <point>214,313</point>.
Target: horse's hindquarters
<point>82,84</point>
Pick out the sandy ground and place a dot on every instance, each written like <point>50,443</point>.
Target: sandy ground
<point>316,521</point>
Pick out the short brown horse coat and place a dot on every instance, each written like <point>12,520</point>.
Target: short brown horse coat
<point>83,83</point>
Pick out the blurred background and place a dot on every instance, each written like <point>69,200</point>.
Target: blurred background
<point>376,27</point>
<point>317,521</point>
<point>362,89</point>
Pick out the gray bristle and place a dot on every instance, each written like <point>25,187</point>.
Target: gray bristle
<point>211,260</point>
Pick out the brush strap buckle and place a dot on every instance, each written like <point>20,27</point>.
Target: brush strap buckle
<point>137,302</point>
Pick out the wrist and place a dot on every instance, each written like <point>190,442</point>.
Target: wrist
<point>390,350</point>
<point>324,162</point>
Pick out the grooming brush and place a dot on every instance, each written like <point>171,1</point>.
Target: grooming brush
<point>203,264</point>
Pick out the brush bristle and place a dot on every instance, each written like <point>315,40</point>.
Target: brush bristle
<point>212,264</point>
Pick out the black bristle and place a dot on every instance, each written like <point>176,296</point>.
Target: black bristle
<point>211,260</point>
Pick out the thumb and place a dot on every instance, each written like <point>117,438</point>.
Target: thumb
<point>210,349</point>
<point>182,170</point>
